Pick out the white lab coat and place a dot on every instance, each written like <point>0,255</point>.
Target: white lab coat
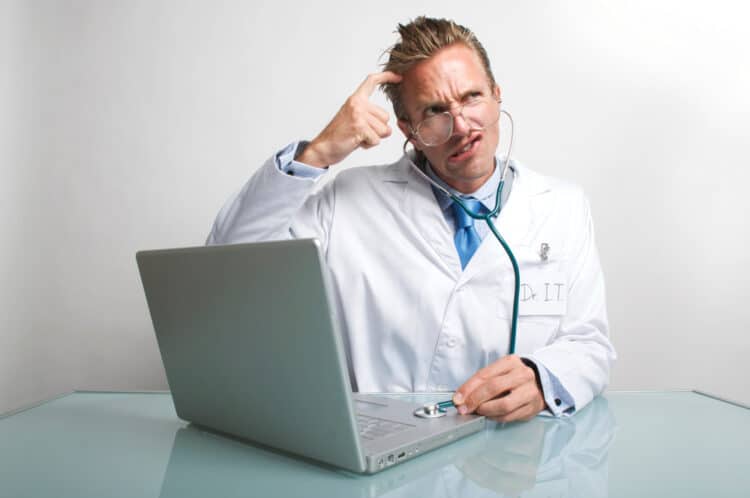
<point>412,319</point>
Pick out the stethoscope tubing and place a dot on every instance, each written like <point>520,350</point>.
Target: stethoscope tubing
<point>516,284</point>
<point>488,219</point>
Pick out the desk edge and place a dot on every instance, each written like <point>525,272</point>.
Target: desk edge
<point>34,404</point>
<point>725,400</point>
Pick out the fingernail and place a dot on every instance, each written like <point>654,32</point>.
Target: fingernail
<point>463,410</point>
<point>458,398</point>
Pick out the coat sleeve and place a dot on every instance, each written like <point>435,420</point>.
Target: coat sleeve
<point>580,354</point>
<point>274,205</point>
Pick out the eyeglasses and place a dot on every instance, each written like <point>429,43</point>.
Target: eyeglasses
<point>478,112</point>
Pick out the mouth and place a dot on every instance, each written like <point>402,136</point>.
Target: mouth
<point>465,150</point>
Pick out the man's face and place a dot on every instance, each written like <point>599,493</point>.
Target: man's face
<point>450,78</point>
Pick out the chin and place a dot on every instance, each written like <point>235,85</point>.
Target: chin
<point>477,169</point>
<point>469,172</point>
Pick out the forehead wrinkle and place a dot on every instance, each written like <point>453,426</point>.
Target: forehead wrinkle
<point>444,84</point>
<point>447,81</point>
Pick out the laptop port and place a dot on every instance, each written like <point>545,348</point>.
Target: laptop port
<point>401,455</point>
<point>391,459</point>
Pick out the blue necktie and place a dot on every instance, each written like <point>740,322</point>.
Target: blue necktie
<point>467,239</point>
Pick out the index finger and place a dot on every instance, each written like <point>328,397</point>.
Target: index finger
<point>500,367</point>
<point>373,80</point>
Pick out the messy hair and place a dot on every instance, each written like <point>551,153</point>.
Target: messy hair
<point>421,39</point>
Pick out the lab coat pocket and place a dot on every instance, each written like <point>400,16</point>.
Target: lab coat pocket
<point>543,291</point>
<point>542,299</point>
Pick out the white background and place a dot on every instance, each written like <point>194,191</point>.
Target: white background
<point>126,125</point>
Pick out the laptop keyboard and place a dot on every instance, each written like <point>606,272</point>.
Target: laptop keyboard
<point>376,428</point>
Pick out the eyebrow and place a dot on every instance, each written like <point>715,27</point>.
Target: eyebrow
<point>445,105</point>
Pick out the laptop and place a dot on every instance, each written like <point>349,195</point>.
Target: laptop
<point>251,348</point>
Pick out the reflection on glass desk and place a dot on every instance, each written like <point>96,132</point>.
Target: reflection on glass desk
<point>624,444</point>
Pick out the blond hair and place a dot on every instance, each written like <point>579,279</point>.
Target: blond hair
<point>421,39</point>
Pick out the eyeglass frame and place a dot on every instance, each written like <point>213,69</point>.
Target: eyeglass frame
<point>415,133</point>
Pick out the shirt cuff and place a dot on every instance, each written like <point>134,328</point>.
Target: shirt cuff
<point>558,400</point>
<point>286,163</point>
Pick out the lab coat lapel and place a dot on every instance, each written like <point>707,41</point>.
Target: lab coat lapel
<point>423,212</point>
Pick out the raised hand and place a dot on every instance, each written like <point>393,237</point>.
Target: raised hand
<point>359,123</point>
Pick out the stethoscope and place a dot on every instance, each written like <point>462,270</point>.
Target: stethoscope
<point>439,409</point>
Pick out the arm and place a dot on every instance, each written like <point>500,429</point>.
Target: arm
<point>267,204</point>
<point>580,355</point>
<point>576,362</point>
<point>264,208</point>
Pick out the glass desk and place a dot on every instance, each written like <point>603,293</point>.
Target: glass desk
<point>625,444</point>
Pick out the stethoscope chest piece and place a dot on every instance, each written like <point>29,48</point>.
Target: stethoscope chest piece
<point>429,411</point>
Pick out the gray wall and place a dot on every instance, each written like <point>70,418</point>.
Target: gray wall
<point>126,125</point>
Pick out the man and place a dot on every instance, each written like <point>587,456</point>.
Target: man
<point>424,305</point>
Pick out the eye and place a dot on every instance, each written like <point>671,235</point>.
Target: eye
<point>434,109</point>
<point>473,96</point>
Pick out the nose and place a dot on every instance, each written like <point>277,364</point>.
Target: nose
<point>460,125</point>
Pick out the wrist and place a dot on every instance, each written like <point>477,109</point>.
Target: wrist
<point>311,156</point>
<point>537,377</point>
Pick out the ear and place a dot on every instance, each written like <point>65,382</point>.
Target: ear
<point>496,92</point>
<point>405,128</point>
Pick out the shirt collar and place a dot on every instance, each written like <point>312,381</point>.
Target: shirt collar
<point>485,194</point>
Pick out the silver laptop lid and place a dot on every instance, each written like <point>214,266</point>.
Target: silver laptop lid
<point>250,348</point>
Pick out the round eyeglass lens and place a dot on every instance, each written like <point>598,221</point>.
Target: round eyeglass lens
<point>478,114</point>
